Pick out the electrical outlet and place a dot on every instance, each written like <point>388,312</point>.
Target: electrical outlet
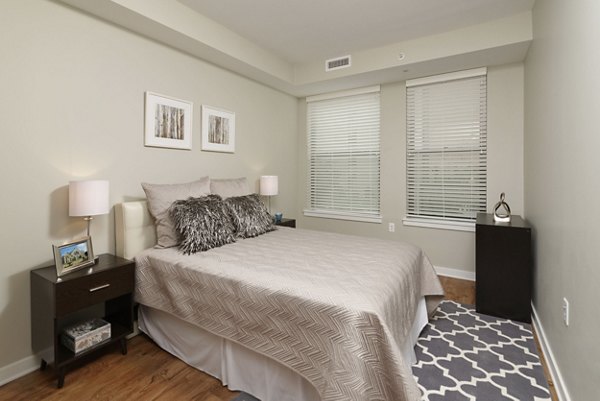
<point>391,227</point>
<point>565,309</point>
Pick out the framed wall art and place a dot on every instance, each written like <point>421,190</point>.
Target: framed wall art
<point>73,256</point>
<point>218,130</point>
<point>168,122</point>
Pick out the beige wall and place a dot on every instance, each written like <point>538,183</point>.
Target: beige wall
<point>72,107</point>
<point>562,101</point>
<point>445,248</point>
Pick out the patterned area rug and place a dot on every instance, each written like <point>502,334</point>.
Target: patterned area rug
<point>245,397</point>
<point>465,356</point>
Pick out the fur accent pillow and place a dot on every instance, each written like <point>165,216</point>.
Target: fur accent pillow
<point>249,215</point>
<point>202,223</point>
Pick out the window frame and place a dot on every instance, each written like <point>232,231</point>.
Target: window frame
<point>440,222</point>
<point>373,216</point>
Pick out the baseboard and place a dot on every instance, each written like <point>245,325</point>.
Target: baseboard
<point>136,330</point>
<point>455,273</point>
<point>557,379</point>
<point>19,368</point>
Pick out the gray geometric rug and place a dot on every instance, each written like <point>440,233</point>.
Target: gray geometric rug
<point>245,397</point>
<point>466,356</point>
<point>463,355</point>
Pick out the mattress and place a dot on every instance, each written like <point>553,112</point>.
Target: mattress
<point>335,309</point>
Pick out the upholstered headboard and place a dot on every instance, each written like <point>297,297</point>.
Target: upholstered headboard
<point>134,228</point>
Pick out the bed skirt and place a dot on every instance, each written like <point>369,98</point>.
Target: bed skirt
<point>238,367</point>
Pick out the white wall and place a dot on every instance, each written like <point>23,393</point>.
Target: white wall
<point>445,248</point>
<point>562,188</point>
<point>72,96</point>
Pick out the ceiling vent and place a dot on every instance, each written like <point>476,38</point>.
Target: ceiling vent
<point>338,63</point>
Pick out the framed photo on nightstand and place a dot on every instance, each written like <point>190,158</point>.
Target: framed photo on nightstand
<point>73,256</point>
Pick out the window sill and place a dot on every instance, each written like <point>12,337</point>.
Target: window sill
<point>342,216</point>
<point>439,224</point>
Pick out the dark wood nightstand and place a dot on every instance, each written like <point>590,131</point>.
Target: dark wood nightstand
<point>104,290</point>
<point>503,267</point>
<point>287,223</point>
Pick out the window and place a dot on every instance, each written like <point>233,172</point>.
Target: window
<point>343,155</point>
<point>446,153</point>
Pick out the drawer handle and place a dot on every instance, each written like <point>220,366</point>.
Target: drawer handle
<point>100,287</point>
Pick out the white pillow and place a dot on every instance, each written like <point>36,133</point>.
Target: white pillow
<point>226,188</point>
<point>161,197</point>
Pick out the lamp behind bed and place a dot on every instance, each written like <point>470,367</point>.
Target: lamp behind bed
<point>269,186</point>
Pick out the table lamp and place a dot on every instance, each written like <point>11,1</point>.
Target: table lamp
<point>88,198</point>
<point>269,186</point>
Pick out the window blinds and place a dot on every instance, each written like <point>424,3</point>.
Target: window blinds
<point>446,147</point>
<point>343,155</point>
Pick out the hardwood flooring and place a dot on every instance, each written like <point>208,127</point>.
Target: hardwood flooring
<point>462,291</point>
<point>149,373</point>
<point>145,373</point>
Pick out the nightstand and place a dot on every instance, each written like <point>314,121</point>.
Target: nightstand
<point>287,223</point>
<point>104,290</point>
<point>503,267</point>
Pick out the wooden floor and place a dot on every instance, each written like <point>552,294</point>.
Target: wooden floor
<point>145,373</point>
<point>149,373</point>
<point>462,291</point>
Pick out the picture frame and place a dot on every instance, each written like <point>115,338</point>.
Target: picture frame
<point>73,256</point>
<point>167,122</point>
<point>218,130</point>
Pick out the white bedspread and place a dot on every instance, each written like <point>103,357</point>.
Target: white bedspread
<point>334,308</point>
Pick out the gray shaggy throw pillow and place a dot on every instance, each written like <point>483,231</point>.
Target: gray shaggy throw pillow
<point>249,215</point>
<point>202,223</point>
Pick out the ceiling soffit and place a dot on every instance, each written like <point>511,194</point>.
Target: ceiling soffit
<point>495,42</point>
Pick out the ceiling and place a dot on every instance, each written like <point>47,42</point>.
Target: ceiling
<point>305,30</point>
<point>284,43</point>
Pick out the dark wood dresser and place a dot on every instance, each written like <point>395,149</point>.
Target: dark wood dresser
<point>503,267</point>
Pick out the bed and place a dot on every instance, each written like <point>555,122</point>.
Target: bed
<point>292,315</point>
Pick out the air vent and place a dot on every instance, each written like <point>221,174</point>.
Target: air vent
<point>338,63</point>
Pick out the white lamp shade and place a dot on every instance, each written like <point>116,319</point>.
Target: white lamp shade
<point>269,185</point>
<point>88,198</point>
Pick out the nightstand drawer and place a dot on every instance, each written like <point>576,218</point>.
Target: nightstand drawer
<point>72,295</point>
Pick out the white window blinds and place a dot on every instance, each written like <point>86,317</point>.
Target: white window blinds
<point>343,155</point>
<point>446,146</point>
